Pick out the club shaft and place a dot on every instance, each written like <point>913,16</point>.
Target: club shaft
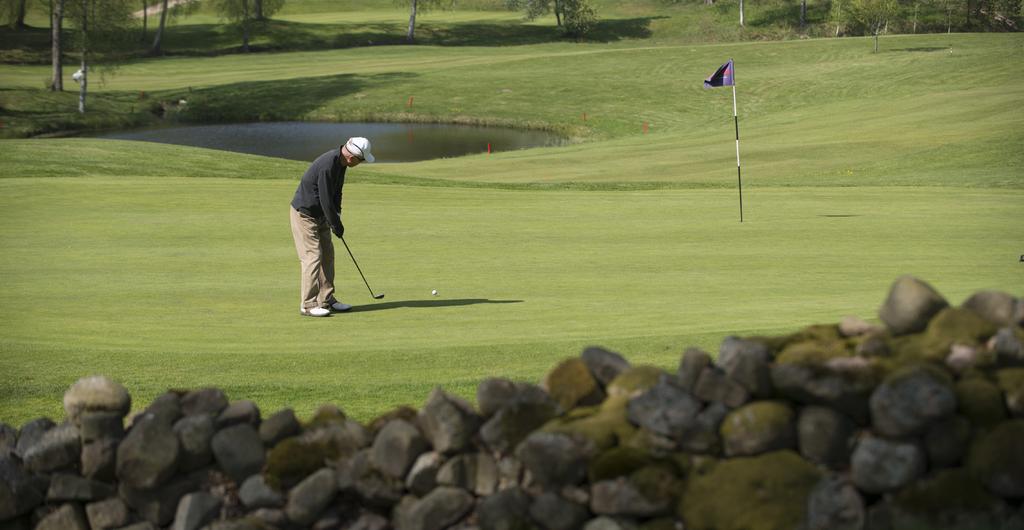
<point>356,263</point>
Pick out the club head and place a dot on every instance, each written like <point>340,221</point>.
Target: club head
<point>378,296</point>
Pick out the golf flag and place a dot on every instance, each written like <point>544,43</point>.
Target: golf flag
<point>725,76</point>
<point>722,77</point>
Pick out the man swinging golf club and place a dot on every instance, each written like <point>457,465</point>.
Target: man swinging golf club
<point>315,213</point>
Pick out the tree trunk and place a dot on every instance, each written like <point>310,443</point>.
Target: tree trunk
<point>56,55</point>
<point>803,13</point>
<point>558,13</point>
<point>257,9</point>
<point>145,19</point>
<point>741,13</point>
<point>709,2</point>
<point>876,40</point>
<point>412,23</point>
<point>245,26</point>
<point>156,49</point>
<point>915,18</point>
<point>84,84</point>
<point>19,19</point>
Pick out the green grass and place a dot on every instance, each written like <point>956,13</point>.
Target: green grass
<point>172,267</point>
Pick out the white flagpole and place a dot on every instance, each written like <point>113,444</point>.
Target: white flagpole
<point>736,122</point>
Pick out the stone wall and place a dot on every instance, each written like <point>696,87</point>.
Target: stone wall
<point>916,424</point>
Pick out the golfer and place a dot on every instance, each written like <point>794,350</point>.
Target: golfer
<point>315,213</point>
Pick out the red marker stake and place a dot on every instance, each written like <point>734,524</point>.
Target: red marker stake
<point>488,148</point>
<point>645,127</point>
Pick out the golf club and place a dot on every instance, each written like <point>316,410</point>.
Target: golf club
<point>375,296</point>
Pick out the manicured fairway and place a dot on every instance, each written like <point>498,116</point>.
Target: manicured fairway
<point>182,282</point>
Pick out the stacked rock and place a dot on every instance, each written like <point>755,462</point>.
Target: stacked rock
<point>917,423</point>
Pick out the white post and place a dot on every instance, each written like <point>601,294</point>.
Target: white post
<point>736,122</point>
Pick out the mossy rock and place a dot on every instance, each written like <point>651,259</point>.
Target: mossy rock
<point>661,523</point>
<point>617,462</point>
<point>995,459</point>
<point>948,491</point>
<point>949,326</point>
<point>404,412</point>
<point>295,458</point>
<point>1011,382</point>
<point>571,383</point>
<point>657,482</point>
<point>802,339</point>
<point>607,426</point>
<point>980,401</point>
<point>759,427</point>
<point>814,351</point>
<point>326,415</point>
<point>635,380</point>
<point>766,492</point>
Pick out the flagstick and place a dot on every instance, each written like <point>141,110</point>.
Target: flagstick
<point>736,121</point>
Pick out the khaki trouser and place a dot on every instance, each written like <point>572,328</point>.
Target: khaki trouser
<point>316,254</point>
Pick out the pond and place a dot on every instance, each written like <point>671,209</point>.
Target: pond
<point>392,142</point>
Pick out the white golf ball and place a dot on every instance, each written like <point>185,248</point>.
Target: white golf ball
<point>434,292</point>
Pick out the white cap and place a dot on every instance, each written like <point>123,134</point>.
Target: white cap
<point>360,147</point>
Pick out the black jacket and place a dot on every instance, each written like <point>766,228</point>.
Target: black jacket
<point>319,192</point>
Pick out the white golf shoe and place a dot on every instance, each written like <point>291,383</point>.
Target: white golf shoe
<point>339,307</point>
<point>315,312</point>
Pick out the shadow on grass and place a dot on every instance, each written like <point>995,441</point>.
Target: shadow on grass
<point>428,304</point>
<point>787,14</point>
<point>924,49</point>
<point>275,100</point>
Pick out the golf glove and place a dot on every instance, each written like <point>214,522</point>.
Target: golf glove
<point>340,232</point>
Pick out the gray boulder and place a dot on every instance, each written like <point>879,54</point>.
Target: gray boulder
<point>255,493</point>
<point>702,436</point>
<point>713,385</point>
<point>505,510</point>
<point>440,509</point>
<point>845,391</point>
<point>99,460</point>
<point>196,510</point>
<point>603,364</point>
<point>995,459</point>
<point>825,436</point>
<point>278,427</point>
<point>555,512</point>
<point>422,476</point>
<point>834,504</point>
<point>58,448</point>
<point>879,465</point>
<point>96,394</point>
<point>68,487</point>
<point>448,422</point>
<point>759,427</point>
<point>107,514</point>
<point>493,393</point>
<point>242,411</point>
<point>555,459</point>
<point>995,306</point>
<point>516,419</point>
<point>692,364</point>
<point>204,401</point>
<point>396,448</point>
<point>238,450</point>
<point>475,472</point>
<point>100,425</point>
<point>910,305</point>
<point>8,439</point>
<point>272,517</point>
<point>946,441</point>
<point>608,523</point>
<point>664,409</point>
<point>30,434</point>
<point>18,492</point>
<point>358,476</point>
<point>1008,347</point>
<point>148,455</point>
<point>621,497</point>
<point>910,399</point>
<point>850,326</point>
<point>370,521</point>
<point>746,362</point>
<point>158,506</point>
<point>166,406</point>
<point>195,433</point>
<point>67,517</point>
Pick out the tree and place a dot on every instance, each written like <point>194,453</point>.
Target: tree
<point>417,6</point>
<point>575,17</point>
<point>741,13</point>
<point>871,15</point>
<point>244,13</point>
<point>103,26</point>
<point>56,45</point>
<point>803,14</point>
<point>14,12</point>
